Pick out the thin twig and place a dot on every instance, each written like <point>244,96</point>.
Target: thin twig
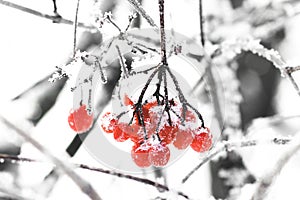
<point>267,181</point>
<point>213,90</point>
<point>162,32</point>
<point>137,6</point>
<point>53,18</point>
<point>113,23</point>
<point>75,28</point>
<point>122,63</point>
<point>231,146</point>
<point>101,170</point>
<point>201,24</point>
<point>247,143</point>
<point>291,70</point>
<point>63,165</point>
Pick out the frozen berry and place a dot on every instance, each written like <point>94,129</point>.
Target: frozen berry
<point>159,155</point>
<point>189,116</point>
<point>167,134</point>
<point>108,122</point>
<point>140,155</point>
<point>202,141</point>
<point>79,120</point>
<point>183,138</point>
<point>120,135</point>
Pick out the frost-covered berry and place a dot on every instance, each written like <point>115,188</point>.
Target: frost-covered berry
<point>140,155</point>
<point>108,122</point>
<point>183,138</point>
<point>159,155</point>
<point>168,133</point>
<point>79,120</point>
<point>202,140</point>
<point>120,135</point>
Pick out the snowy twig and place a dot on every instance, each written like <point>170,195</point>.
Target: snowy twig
<point>54,18</point>
<point>254,46</point>
<point>101,170</point>
<point>122,63</point>
<point>60,164</point>
<point>266,182</point>
<point>229,146</point>
<point>291,70</point>
<point>75,28</point>
<point>245,143</point>
<point>137,6</point>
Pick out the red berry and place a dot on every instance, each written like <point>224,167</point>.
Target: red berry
<point>183,138</point>
<point>140,155</point>
<point>167,134</point>
<point>120,135</point>
<point>202,141</point>
<point>159,155</point>
<point>132,131</point>
<point>79,120</point>
<point>189,116</point>
<point>146,109</point>
<point>108,122</point>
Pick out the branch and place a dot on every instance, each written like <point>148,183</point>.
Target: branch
<point>291,70</point>
<point>201,23</point>
<point>229,146</point>
<point>254,46</point>
<point>60,164</point>
<point>54,18</point>
<point>137,6</point>
<point>245,143</point>
<point>75,28</point>
<point>267,181</point>
<point>101,170</point>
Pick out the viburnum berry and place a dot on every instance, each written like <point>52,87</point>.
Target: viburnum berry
<point>159,155</point>
<point>183,138</point>
<point>167,134</point>
<point>79,120</point>
<point>131,130</point>
<point>202,141</point>
<point>189,116</point>
<point>120,135</point>
<point>108,122</point>
<point>140,155</point>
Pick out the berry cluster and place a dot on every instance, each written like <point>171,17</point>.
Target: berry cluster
<point>151,139</point>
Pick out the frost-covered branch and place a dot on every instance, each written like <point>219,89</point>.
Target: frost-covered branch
<point>265,183</point>
<point>230,146</point>
<point>63,165</point>
<point>291,70</point>
<point>101,170</point>
<point>54,18</point>
<point>75,28</point>
<point>233,48</point>
<point>137,6</point>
